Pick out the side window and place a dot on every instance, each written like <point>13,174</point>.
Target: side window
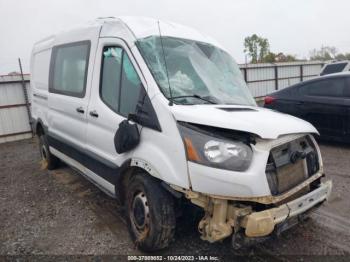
<point>333,87</point>
<point>130,89</point>
<point>68,69</point>
<point>120,84</point>
<point>110,76</point>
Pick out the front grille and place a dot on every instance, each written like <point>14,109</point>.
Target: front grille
<point>291,164</point>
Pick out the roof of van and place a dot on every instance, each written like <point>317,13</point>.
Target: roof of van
<point>133,28</point>
<point>144,26</point>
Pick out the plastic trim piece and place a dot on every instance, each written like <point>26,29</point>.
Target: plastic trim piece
<point>102,167</point>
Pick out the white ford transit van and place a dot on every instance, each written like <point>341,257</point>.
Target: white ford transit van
<point>155,114</point>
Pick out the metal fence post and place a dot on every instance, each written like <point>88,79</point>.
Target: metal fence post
<point>301,73</point>
<point>25,93</point>
<point>276,77</point>
<point>245,74</point>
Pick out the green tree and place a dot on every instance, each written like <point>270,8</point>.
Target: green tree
<point>270,58</point>
<point>345,56</point>
<point>256,47</point>
<point>340,57</point>
<point>281,57</point>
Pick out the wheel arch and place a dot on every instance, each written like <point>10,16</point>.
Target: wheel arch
<point>130,168</point>
<point>39,127</point>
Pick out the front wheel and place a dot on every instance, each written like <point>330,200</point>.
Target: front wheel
<point>150,213</point>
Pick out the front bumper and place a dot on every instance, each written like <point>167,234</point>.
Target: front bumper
<point>262,223</point>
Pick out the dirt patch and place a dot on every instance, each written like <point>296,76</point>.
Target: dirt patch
<point>60,213</point>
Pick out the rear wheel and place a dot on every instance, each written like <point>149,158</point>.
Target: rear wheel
<point>49,161</point>
<point>150,213</point>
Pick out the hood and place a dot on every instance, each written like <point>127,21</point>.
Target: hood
<point>265,123</point>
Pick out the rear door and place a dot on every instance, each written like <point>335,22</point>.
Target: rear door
<point>322,104</point>
<point>114,95</point>
<point>68,98</point>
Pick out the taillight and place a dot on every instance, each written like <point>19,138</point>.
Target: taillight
<point>269,100</point>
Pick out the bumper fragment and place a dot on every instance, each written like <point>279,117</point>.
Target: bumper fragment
<point>262,223</point>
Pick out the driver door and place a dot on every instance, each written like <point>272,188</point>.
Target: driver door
<point>115,92</point>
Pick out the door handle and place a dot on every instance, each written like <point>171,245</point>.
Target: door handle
<point>93,113</point>
<point>80,110</point>
<point>299,103</point>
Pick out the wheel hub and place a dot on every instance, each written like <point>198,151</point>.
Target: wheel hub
<point>140,212</point>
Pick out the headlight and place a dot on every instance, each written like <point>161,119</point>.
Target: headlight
<point>206,149</point>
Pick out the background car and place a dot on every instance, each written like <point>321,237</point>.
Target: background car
<point>323,101</point>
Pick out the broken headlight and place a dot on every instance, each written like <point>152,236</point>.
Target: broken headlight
<point>218,152</point>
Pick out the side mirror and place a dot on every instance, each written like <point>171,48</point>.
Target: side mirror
<point>127,137</point>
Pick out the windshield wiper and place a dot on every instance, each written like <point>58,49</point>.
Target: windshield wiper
<point>195,96</point>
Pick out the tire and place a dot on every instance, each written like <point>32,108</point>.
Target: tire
<point>49,161</point>
<point>150,213</point>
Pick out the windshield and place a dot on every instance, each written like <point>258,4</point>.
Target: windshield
<point>198,73</point>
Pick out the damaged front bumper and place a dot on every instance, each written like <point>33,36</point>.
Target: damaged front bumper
<point>263,223</point>
<point>226,217</point>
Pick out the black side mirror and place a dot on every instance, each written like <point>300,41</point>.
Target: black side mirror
<point>127,137</point>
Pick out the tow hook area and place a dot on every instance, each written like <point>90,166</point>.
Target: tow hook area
<point>213,226</point>
<point>221,219</point>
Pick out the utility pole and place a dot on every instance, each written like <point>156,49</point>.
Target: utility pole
<point>26,98</point>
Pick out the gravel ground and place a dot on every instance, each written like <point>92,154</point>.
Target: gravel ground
<point>60,213</point>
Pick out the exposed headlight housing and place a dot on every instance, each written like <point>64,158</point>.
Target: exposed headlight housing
<point>215,151</point>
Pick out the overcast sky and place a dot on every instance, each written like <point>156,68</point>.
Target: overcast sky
<point>291,26</point>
